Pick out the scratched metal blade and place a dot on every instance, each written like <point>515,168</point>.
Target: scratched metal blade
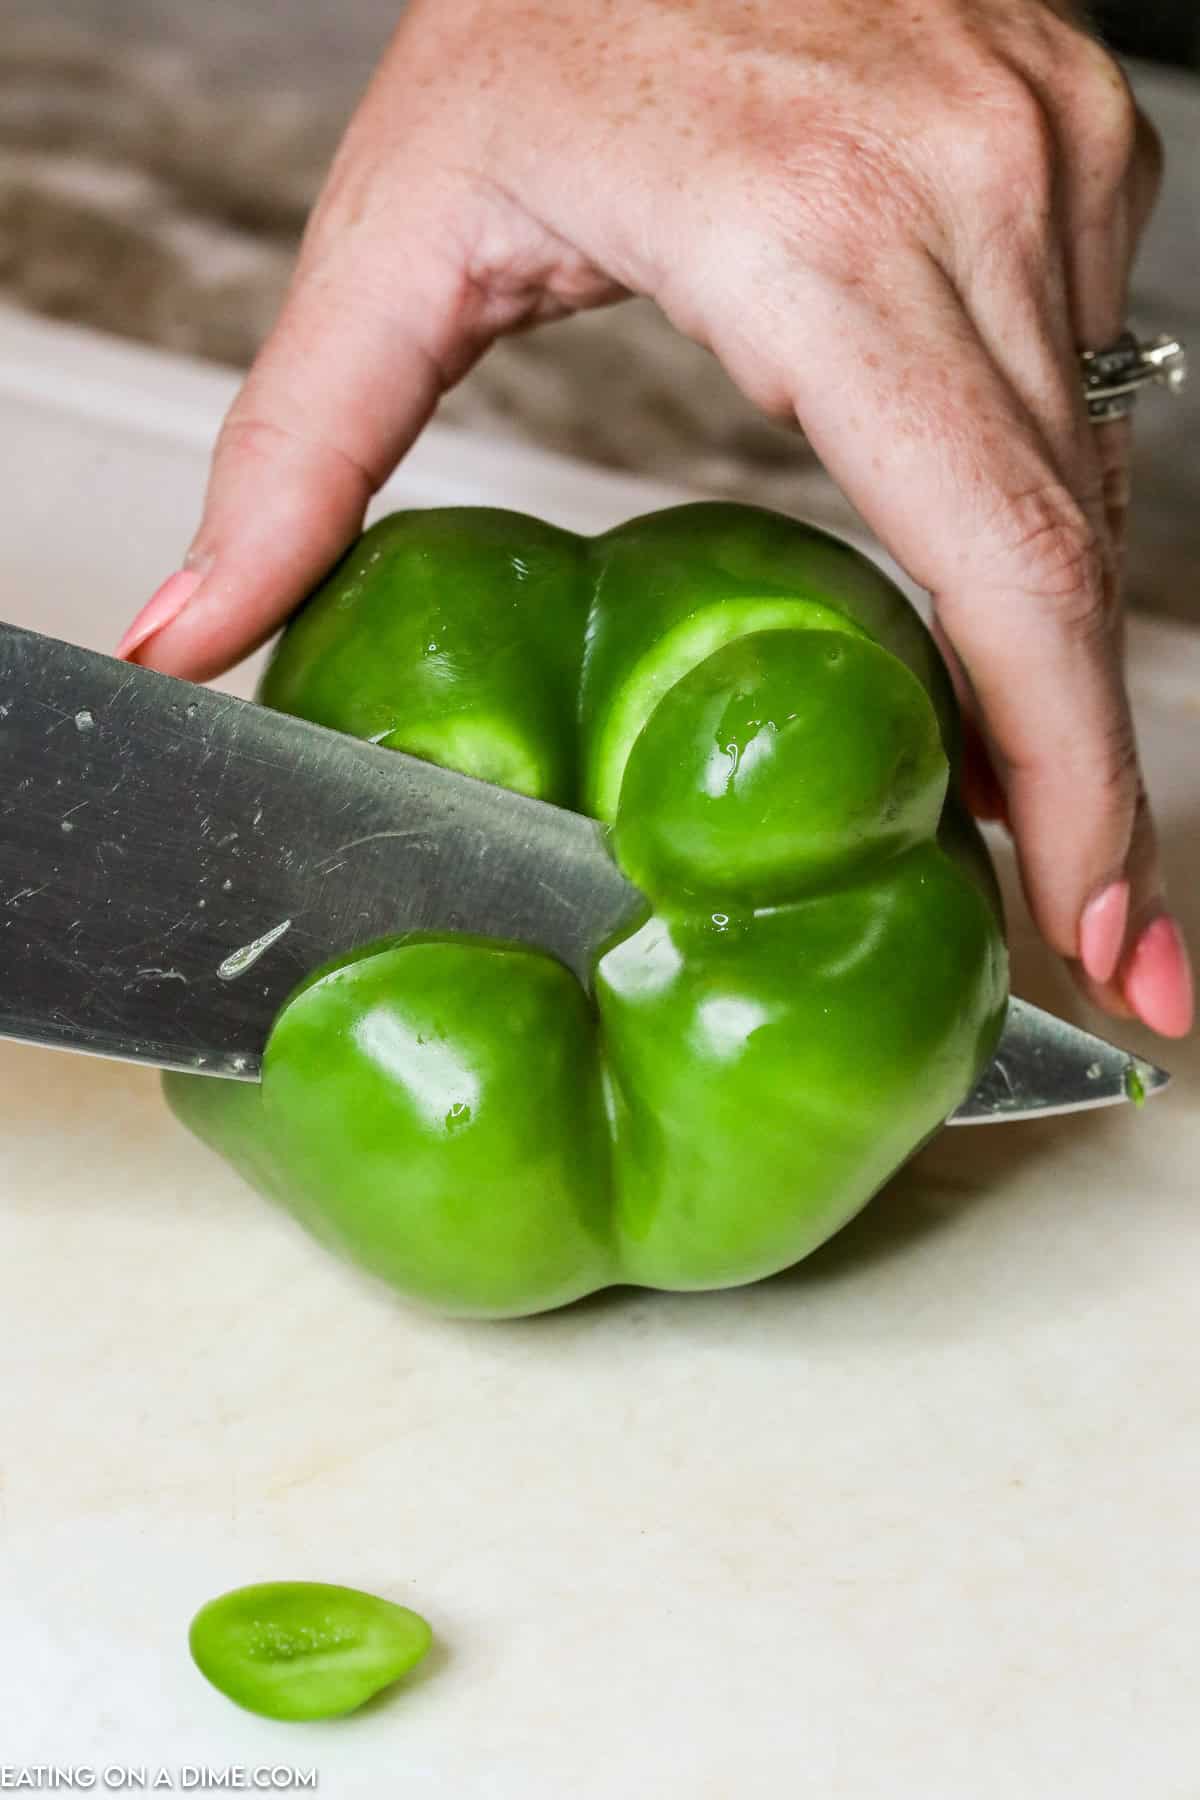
<point>173,860</point>
<point>1044,1065</point>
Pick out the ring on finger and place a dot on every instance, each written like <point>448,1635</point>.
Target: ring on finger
<point>1113,378</point>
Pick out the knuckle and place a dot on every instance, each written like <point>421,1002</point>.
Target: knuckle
<point>249,436</point>
<point>1008,147</point>
<point>1102,117</point>
<point>1101,768</point>
<point>1118,771</point>
<point>257,445</point>
<point>1115,128</point>
<point>1059,559</point>
<point>1116,476</point>
<point>838,199</point>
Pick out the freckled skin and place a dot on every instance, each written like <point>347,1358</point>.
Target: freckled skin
<point>894,223</point>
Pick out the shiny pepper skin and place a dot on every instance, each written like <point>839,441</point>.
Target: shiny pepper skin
<point>767,726</point>
<point>304,1649</point>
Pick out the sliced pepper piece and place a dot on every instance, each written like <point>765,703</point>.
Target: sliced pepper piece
<point>304,1649</point>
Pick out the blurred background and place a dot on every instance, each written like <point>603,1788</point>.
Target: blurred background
<point>1166,30</point>
<point>158,157</point>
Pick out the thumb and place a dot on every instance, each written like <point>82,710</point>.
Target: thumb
<point>338,393</point>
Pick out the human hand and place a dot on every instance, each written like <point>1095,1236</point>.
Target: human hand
<point>896,220</point>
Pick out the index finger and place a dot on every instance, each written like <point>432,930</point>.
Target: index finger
<point>339,391</point>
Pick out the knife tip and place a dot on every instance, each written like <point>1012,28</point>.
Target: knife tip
<point>1142,1080</point>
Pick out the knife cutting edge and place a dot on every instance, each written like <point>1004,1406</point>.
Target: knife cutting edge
<point>174,861</point>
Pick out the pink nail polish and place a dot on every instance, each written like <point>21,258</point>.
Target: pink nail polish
<point>1102,930</point>
<point>1158,983</point>
<point>160,609</point>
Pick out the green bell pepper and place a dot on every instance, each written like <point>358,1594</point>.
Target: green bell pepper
<point>769,728</point>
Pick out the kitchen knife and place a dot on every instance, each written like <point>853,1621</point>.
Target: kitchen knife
<point>174,860</point>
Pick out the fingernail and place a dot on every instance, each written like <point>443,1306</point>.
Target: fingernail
<point>160,609</point>
<point>1102,930</point>
<point>1158,982</point>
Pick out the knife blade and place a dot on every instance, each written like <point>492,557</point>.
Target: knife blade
<point>174,860</point>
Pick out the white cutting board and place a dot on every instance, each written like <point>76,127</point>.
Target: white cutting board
<point>917,1521</point>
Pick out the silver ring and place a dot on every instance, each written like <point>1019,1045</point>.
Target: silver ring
<point>1113,378</point>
